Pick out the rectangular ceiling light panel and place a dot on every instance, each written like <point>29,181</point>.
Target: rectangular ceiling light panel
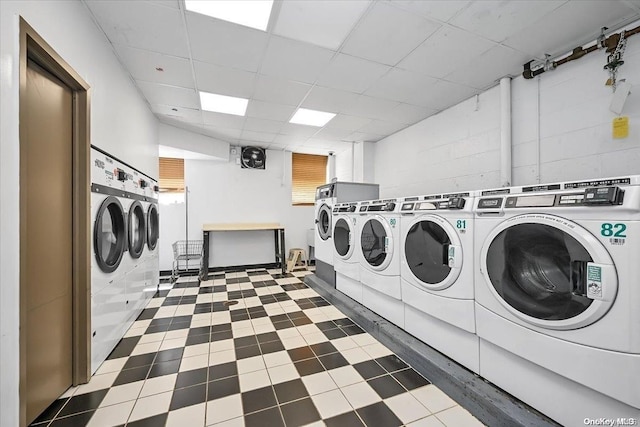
<point>250,13</point>
<point>223,104</point>
<point>311,117</point>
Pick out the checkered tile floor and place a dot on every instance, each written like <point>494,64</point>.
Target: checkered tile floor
<point>279,355</point>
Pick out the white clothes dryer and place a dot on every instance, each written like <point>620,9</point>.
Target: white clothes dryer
<point>557,297</point>
<point>437,274</point>
<point>346,250</point>
<point>379,241</point>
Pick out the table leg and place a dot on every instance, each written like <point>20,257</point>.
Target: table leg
<point>204,271</point>
<point>282,250</point>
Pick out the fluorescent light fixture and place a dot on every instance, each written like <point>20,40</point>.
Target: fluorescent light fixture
<point>250,13</point>
<point>223,104</point>
<point>311,117</point>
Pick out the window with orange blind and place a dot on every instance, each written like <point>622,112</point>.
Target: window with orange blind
<point>171,175</point>
<point>308,171</point>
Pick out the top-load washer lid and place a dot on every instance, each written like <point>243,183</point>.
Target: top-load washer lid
<point>109,235</point>
<point>323,222</point>
<point>137,227</point>
<point>432,251</point>
<point>549,271</point>
<point>343,238</point>
<point>376,242</point>
<point>153,227</point>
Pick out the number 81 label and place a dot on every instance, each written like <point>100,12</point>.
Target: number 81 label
<point>613,230</point>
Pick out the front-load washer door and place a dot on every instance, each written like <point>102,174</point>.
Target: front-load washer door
<point>137,230</point>
<point>549,271</point>
<point>153,227</point>
<point>433,253</point>
<point>323,222</point>
<point>376,242</point>
<point>343,232</point>
<point>109,235</point>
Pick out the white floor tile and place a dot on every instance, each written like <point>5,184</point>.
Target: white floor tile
<point>345,376</point>
<point>283,373</point>
<point>356,355</point>
<point>113,365</point>
<point>122,393</point>
<point>135,332</point>
<point>360,394</point>
<point>254,380</point>
<point>308,330</point>
<point>319,383</point>
<point>433,398</point>
<point>195,362</point>
<point>407,408</point>
<point>344,343</point>
<point>264,328</point>
<point>431,421</point>
<point>222,357</point>
<point>331,403</point>
<point>189,416</point>
<point>293,342</point>
<point>315,338</point>
<point>364,339</point>
<point>168,344</point>
<point>276,359</point>
<point>196,350</point>
<point>151,405</point>
<point>250,364</point>
<point>112,415</point>
<point>97,382</point>
<point>180,333</point>
<point>151,347</point>
<point>458,416</point>
<point>288,333</point>
<point>158,385</point>
<point>145,339</point>
<point>377,350</point>
<point>223,345</point>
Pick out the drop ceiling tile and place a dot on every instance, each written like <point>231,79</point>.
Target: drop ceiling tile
<point>168,3</point>
<point>498,20</point>
<point>446,94</point>
<point>143,64</point>
<point>444,52</point>
<point>188,115</point>
<point>441,10</point>
<point>187,126</point>
<point>224,43</point>
<point>409,114</point>
<point>224,80</point>
<point>572,24</point>
<point>381,127</point>
<point>298,130</point>
<point>352,74</point>
<point>287,140</point>
<point>329,100</point>
<point>364,137</point>
<point>280,90</point>
<point>142,25</point>
<point>323,23</point>
<point>262,125</point>
<point>169,95</point>
<point>348,123</point>
<point>267,110</point>
<point>333,134</point>
<point>223,120</point>
<point>307,149</point>
<point>387,34</point>
<point>224,134</point>
<point>248,135</point>
<point>374,108</point>
<point>402,86</point>
<point>295,60</point>
<point>486,70</point>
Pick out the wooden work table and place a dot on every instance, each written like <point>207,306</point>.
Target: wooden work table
<point>278,235</point>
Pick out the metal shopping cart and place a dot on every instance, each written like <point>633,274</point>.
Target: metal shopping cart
<point>187,255</point>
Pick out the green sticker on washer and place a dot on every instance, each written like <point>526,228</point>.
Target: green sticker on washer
<point>594,273</point>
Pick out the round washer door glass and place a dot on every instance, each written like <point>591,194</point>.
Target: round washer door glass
<point>373,242</point>
<point>540,271</point>
<point>341,233</point>
<point>426,249</point>
<point>137,227</point>
<point>324,222</point>
<point>153,227</point>
<point>109,235</point>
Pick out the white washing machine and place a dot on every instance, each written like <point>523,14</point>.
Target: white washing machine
<point>379,241</point>
<point>437,274</point>
<point>557,296</point>
<point>346,250</point>
<point>153,234</point>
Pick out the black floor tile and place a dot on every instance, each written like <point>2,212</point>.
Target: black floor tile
<point>147,313</point>
<point>83,402</point>
<point>127,376</point>
<point>256,400</point>
<point>349,419</point>
<point>188,396</point>
<point>169,355</point>
<point>386,386</point>
<point>299,413</point>
<point>155,421</point>
<point>302,321</point>
<point>245,341</point>
<point>290,390</point>
<point>181,319</point>
<point>178,326</point>
<point>246,352</point>
<point>189,378</point>
<point>221,328</point>
<point>153,329</point>
<point>333,334</point>
<point>325,326</point>
<point>258,314</point>
<point>410,379</point>
<point>73,421</point>
<point>140,360</point>
<point>271,347</point>
<point>283,325</point>
<point>267,418</point>
<point>392,363</point>
<point>378,414</point>
<point>369,369</point>
<point>49,413</point>
<point>323,348</point>
<point>124,348</point>
<point>301,353</point>
<point>161,321</point>
<point>268,299</point>
<point>353,330</point>
<point>279,318</point>
<point>223,388</point>
<point>224,370</point>
<point>220,336</point>
<point>267,337</point>
<point>309,367</point>
<point>164,368</point>
<point>200,330</point>
<point>197,339</point>
<point>344,322</point>
<point>333,361</point>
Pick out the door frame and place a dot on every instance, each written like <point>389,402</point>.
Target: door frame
<point>33,47</point>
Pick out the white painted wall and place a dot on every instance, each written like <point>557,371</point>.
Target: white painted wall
<point>458,149</point>
<point>344,164</point>
<point>223,192</point>
<point>120,124</point>
<point>171,136</point>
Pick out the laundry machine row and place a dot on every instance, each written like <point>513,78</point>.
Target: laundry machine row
<point>124,269</point>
